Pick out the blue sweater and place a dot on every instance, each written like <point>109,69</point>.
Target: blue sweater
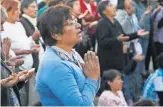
<point>62,83</point>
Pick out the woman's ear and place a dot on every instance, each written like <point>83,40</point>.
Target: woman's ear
<point>56,37</point>
<point>109,83</point>
<point>104,12</point>
<point>25,10</point>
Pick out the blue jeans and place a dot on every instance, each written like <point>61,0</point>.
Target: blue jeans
<point>126,90</point>
<point>144,41</point>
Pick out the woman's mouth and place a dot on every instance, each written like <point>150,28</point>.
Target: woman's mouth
<point>79,33</point>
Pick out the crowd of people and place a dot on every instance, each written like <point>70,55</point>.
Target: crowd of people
<point>81,52</point>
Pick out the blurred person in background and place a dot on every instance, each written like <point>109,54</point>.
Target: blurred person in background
<point>41,10</point>
<point>158,28</point>
<point>91,17</point>
<point>10,81</point>
<point>20,43</point>
<point>110,36</point>
<point>15,31</point>
<point>130,24</point>
<point>143,12</point>
<point>29,22</point>
<point>154,82</point>
<point>48,3</point>
<point>112,94</point>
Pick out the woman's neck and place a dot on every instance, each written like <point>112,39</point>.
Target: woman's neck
<point>66,48</point>
<point>10,20</point>
<point>115,92</point>
<point>110,18</point>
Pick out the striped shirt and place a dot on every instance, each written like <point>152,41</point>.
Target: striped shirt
<point>152,84</point>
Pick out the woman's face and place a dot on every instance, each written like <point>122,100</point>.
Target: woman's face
<point>15,13</point>
<point>116,85</point>
<point>31,10</point>
<point>71,32</point>
<point>110,10</point>
<point>76,8</point>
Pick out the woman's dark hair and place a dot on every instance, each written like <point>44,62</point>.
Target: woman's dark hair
<point>25,4</point>
<point>160,61</point>
<point>145,102</point>
<point>54,2</point>
<point>109,75</point>
<point>70,2</point>
<point>52,21</point>
<point>41,5</point>
<point>102,6</point>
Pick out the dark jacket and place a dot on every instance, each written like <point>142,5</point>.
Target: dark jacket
<point>109,48</point>
<point>30,29</point>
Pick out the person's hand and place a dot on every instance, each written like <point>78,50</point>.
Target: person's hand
<point>6,45</point>
<point>15,61</point>
<point>138,58</point>
<point>142,33</point>
<point>35,48</point>
<point>91,68</point>
<point>36,35</point>
<point>23,75</point>
<point>122,38</point>
<point>93,24</point>
<point>84,14</point>
<point>158,8</point>
<point>124,48</point>
<point>89,17</point>
<point>26,74</point>
<point>31,73</point>
<point>10,81</point>
<point>148,11</point>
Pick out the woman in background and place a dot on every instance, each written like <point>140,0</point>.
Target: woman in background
<point>112,85</point>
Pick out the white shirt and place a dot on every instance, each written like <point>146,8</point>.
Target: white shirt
<point>158,83</point>
<point>114,2</point>
<point>108,98</point>
<point>88,7</point>
<point>19,40</point>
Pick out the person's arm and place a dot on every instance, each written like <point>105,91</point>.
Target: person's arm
<point>21,52</point>
<point>65,87</point>
<point>144,17</point>
<point>142,20</point>
<point>131,36</point>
